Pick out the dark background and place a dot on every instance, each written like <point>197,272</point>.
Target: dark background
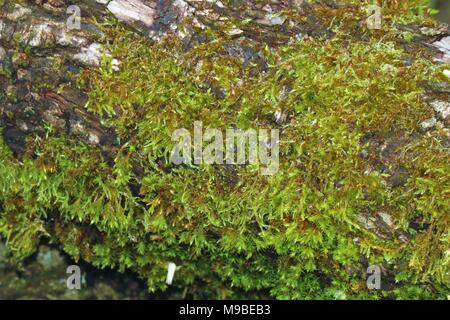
<point>444,7</point>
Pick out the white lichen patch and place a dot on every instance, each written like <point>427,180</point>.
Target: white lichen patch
<point>442,108</point>
<point>41,36</point>
<point>2,53</point>
<point>19,13</point>
<point>444,46</point>
<point>272,20</point>
<point>92,56</point>
<point>93,139</point>
<point>428,124</point>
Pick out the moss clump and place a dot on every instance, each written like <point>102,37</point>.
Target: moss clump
<point>295,235</point>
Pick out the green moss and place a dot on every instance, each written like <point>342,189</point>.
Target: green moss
<point>235,233</point>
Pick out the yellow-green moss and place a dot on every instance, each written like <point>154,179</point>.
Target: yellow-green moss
<point>235,233</point>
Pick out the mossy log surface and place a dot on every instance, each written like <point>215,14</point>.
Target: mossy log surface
<point>86,117</point>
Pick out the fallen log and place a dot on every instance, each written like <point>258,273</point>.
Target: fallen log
<point>89,129</point>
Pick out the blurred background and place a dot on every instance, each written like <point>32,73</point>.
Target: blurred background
<point>444,7</point>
